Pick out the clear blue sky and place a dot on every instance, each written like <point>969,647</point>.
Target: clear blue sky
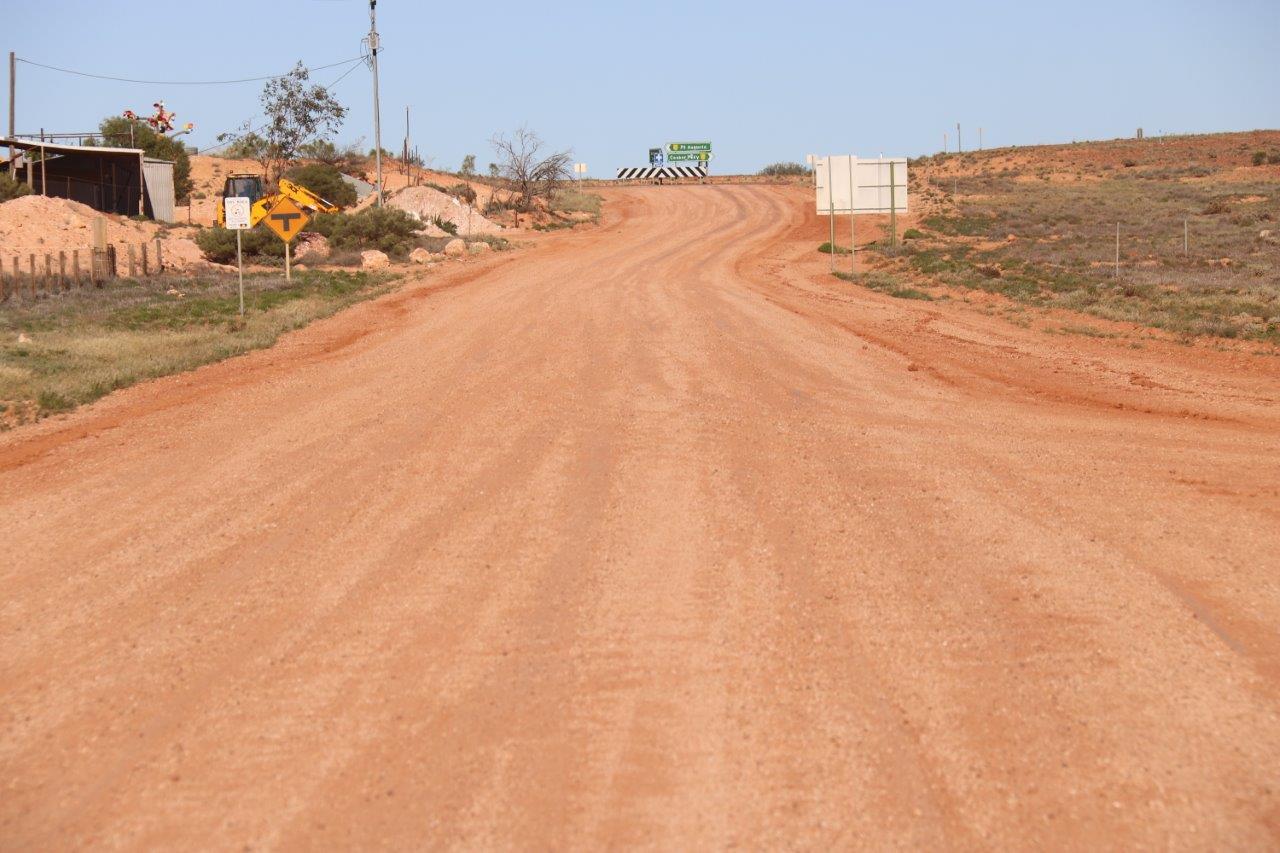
<point>763,81</point>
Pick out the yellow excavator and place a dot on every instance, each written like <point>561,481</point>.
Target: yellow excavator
<point>251,187</point>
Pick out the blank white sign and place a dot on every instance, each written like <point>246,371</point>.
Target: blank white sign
<point>879,185</point>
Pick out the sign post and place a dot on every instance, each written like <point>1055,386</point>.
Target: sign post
<point>287,220</point>
<point>237,213</point>
<point>831,212</point>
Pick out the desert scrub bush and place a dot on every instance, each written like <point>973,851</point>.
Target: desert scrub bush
<point>784,170</point>
<point>219,244</point>
<point>325,181</point>
<point>463,192</point>
<point>913,234</point>
<point>826,249</point>
<point>444,225</point>
<point>11,189</point>
<point>387,229</point>
<point>1259,158</point>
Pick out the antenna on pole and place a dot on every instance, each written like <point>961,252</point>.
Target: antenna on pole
<point>377,115</point>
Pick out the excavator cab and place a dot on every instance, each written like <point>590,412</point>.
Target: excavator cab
<point>239,186</point>
<point>243,186</point>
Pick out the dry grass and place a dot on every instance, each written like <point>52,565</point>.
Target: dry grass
<point>1053,245</point>
<point>72,348</point>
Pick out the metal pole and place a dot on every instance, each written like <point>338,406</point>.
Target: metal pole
<point>288,261</point>
<point>13,84</point>
<point>240,264</point>
<point>377,115</point>
<point>893,208</point>
<point>959,142</point>
<point>853,239</point>
<point>979,139</point>
<point>831,210</point>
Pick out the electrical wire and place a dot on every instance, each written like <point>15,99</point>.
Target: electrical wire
<point>183,82</point>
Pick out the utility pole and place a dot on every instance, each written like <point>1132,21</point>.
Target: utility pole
<point>959,144</point>
<point>979,139</point>
<point>377,115</point>
<point>13,69</point>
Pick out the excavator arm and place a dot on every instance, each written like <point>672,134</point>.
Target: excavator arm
<point>288,189</point>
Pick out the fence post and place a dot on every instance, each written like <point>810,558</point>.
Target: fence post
<point>31,263</point>
<point>75,267</point>
<point>62,270</point>
<point>159,261</point>
<point>1116,273</point>
<point>48,272</point>
<point>133,263</point>
<point>146,269</point>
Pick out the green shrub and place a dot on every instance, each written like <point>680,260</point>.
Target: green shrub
<point>386,228</point>
<point>463,192</point>
<point>444,225</point>
<point>11,189</point>
<point>782,170</point>
<point>325,181</point>
<point>825,248</point>
<point>219,244</point>
<point>912,234</point>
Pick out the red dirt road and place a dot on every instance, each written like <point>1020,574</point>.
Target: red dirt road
<point>651,535</point>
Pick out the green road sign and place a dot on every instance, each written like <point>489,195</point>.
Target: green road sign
<point>689,156</point>
<point>675,147</point>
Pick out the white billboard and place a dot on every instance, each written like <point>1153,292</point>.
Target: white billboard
<point>847,184</point>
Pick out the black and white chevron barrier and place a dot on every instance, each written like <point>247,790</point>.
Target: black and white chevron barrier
<point>654,173</point>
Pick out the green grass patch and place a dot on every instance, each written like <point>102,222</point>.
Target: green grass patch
<point>69,349</point>
<point>883,283</point>
<point>827,249</point>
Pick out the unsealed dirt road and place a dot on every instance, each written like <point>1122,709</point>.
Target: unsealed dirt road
<point>651,535</point>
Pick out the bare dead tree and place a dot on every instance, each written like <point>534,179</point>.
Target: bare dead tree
<point>529,173</point>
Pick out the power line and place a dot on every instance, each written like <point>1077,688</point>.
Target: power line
<point>183,82</point>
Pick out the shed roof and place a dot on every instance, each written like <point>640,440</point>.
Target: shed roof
<point>29,144</point>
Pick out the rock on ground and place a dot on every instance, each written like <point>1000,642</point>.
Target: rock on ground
<point>479,247</point>
<point>372,259</point>
<point>420,256</point>
<point>455,248</point>
<point>312,246</point>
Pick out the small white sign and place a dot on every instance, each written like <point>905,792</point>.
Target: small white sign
<point>579,168</point>
<point>236,212</point>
